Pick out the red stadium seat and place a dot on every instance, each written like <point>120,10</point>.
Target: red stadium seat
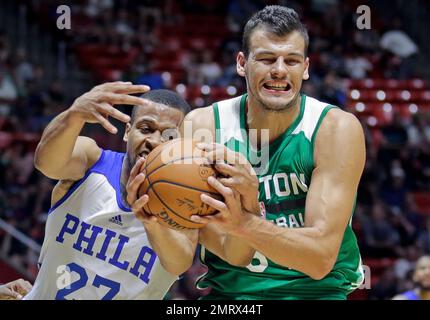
<point>6,139</point>
<point>422,200</point>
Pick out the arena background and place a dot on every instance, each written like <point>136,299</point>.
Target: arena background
<point>190,46</point>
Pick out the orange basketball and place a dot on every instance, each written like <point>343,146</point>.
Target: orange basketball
<point>176,175</point>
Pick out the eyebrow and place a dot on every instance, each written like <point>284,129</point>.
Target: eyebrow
<point>263,52</point>
<point>146,119</point>
<point>153,123</point>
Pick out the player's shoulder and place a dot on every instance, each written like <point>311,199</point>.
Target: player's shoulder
<point>200,118</point>
<point>90,147</point>
<point>200,113</point>
<point>338,121</point>
<point>340,131</point>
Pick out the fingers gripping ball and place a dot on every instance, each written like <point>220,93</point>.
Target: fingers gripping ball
<point>175,176</point>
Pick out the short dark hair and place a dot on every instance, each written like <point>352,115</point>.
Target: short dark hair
<point>169,98</point>
<point>277,19</point>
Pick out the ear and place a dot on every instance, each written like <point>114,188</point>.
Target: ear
<point>127,131</point>
<point>306,71</point>
<point>240,64</point>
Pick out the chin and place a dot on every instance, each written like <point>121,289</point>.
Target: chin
<point>277,104</point>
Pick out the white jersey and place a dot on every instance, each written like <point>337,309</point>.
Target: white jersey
<point>94,246</point>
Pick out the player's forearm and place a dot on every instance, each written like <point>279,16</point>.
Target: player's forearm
<point>174,248</point>
<point>237,252</point>
<point>301,249</point>
<point>56,145</point>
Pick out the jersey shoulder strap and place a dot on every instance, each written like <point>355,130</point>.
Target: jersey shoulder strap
<point>228,115</point>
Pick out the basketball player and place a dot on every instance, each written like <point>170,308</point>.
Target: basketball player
<point>14,290</point>
<point>421,278</point>
<point>94,247</point>
<point>305,246</point>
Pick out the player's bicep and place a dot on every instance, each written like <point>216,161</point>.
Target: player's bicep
<point>339,157</point>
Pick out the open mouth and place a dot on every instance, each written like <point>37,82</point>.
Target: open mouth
<point>143,154</point>
<point>278,87</point>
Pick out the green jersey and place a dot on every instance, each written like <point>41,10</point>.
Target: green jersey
<point>284,176</point>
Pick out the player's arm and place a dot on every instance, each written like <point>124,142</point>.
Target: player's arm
<point>339,161</point>
<point>175,248</point>
<point>199,125</point>
<point>217,241</point>
<point>61,153</point>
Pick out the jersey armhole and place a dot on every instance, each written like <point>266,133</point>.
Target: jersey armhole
<point>77,183</point>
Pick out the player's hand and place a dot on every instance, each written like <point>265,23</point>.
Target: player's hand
<point>133,184</point>
<point>231,216</point>
<point>237,172</point>
<point>96,106</point>
<point>15,290</point>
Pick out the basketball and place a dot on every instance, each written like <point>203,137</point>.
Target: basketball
<point>176,175</point>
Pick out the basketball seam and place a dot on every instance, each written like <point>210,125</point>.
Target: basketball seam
<point>159,198</point>
<point>171,161</point>
<point>182,185</point>
<point>164,164</point>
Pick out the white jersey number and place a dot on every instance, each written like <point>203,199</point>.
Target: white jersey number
<point>82,282</point>
<point>262,263</point>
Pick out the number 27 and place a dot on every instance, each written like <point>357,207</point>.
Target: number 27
<point>82,282</point>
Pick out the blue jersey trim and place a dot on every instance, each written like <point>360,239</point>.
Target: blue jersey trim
<point>111,167</point>
<point>411,295</point>
<point>109,164</point>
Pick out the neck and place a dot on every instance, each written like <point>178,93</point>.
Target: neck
<point>125,174</point>
<point>258,118</point>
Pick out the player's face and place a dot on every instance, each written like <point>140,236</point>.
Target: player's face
<point>153,125</point>
<point>422,273</point>
<point>274,69</point>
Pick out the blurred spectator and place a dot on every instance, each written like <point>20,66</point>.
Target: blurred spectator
<point>23,69</point>
<point>386,286</point>
<point>209,70</point>
<point>424,236</point>
<point>418,131</point>
<point>4,47</point>
<point>122,25</point>
<point>367,40</point>
<point>395,134</point>
<point>239,11</point>
<point>150,77</point>
<point>95,7</point>
<point>381,238</point>
<point>421,279</point>
<point>405,264</point>
<point>398,42</point>
<point>394,189</point>
<point>331,90</point>
<point>8,92</point>
<point>357,66</point>
<point>403,49</point>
